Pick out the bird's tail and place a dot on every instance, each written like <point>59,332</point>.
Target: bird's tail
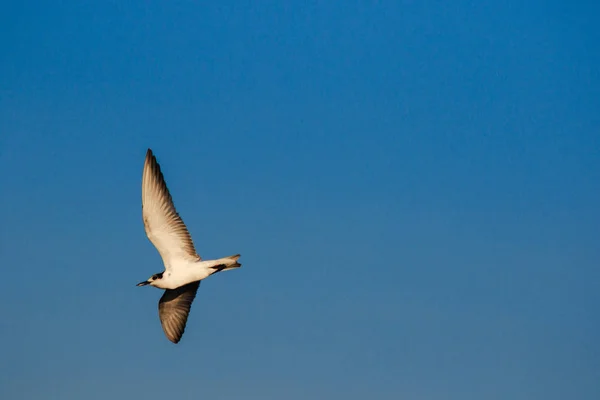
<point>231,262</point>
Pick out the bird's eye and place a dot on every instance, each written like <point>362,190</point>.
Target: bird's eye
<point>153,277</point>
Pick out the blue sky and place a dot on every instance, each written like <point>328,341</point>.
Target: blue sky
<point>413,187</point>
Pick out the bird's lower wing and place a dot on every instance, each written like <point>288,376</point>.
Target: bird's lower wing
<point>174,308</point>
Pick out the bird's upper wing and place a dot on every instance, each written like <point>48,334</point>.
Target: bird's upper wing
<point>174,308</point>
<point>164,227</point>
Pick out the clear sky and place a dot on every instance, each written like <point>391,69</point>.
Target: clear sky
<point>413,187</point>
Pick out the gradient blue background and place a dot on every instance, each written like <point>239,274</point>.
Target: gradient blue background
<point>413,187</point>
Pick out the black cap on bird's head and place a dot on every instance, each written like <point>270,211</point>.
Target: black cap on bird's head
<point>151,279</point>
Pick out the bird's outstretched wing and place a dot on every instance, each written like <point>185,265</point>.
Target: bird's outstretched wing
<point>174,308</point>
<point>164,227</point>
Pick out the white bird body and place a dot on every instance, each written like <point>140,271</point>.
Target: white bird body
<point>189,271</point>
<point>184,268</point>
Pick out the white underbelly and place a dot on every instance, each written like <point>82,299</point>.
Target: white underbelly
<point>180,275</point>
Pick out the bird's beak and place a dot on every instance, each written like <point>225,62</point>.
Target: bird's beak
<point>143,283</point>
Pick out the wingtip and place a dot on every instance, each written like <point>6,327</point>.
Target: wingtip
<point>150,159</point>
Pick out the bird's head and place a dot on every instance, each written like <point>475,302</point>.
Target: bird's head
<point>153,280</point>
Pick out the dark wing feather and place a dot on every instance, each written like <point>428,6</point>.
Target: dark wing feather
<point>174,308</point>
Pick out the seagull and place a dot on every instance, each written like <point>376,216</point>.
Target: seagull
<point>184,268</point>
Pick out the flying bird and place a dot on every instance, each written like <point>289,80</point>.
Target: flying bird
<point>184,268</point>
